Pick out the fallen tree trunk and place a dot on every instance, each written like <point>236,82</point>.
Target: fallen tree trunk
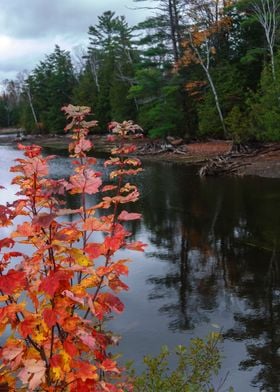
<point>233,162</point>
<point>160,147</point>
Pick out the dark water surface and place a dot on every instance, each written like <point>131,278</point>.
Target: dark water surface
<point>212,262</point>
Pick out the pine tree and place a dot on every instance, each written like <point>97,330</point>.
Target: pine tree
<point>50,85</point>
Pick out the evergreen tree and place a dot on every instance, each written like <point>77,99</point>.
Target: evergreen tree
<point>10,103</point>
<point>110,60</point>
<point>158,89</point>
<point>50,85</point>
<point>264,105</point>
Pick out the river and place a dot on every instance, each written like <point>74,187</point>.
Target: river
<point>212,262</point>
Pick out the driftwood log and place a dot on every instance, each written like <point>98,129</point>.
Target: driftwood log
<point>234,161</point>
<point>161,146</point>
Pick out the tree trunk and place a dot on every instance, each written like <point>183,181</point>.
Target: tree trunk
<point>31,106</point>
<point>218,106</point>
<point>210,80</point>
<point>173,31</point>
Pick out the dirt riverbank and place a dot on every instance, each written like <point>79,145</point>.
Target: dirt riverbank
<point>264,163</point>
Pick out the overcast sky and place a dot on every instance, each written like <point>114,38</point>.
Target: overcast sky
<point>29,29</point>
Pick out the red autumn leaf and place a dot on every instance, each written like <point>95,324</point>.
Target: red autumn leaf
<point>70,348</point>
<point>30,151</point>
<point>117,268</point>
<point>8,314</point>
<point>127,172</point>
<point>67,234</point>
<point>10,353</point>
<point>33,373</point>
<point>43,219</point>
<point>87,339</point>
<point>36,166</point>
<point>85,370</point>
<point>89,160</point>
<point>50,317</point>
<point>107,188</point>
<point>132,162</point>
<point>56,360</point>
<point>117,285</point>
<point>83,145</point>
<point>124,150</point>
<point>120,268</point>
<point>27,326</point>
<point>111,301</point>
<point>94,250</point>
<point>24,230</point>
<point>5,214</point>
<point>109,366</point>
<point>95,224</point>
<point>126,216</point>
<point>58,280</point>
<point>113,162</point>
<point>6,243</point>
<point>68,211</point>
<point>73,297</point>
<point>86,181</point>
<point>137,245</point>
<point>131,197</point>
<point>112,244</point>
<point>14,280</point>
<point>120,231</point>
<point>8,255</point>
<point>102,271</point>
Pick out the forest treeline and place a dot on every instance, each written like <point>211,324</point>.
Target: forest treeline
<point>193,68</point>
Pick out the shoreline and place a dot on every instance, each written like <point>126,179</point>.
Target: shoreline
<point>261,164</point>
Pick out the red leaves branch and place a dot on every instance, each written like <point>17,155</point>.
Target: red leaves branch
<point>67,275</point>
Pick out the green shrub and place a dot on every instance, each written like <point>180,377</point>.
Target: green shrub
<point>193,372</point>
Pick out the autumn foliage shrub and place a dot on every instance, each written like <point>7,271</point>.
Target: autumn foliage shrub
<point>57,295</point>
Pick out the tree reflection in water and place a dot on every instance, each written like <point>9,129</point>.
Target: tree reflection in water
<point>219,237</point>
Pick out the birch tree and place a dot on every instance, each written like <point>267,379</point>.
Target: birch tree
<point>207,21</point>
<point>266,12</point>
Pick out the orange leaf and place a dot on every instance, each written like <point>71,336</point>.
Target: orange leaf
<point>95,224</point>
<point>24,230</point>
<point>67,234</point>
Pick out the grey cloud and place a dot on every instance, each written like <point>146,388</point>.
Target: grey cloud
<point>34,26</point>
<point>37,18</point>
